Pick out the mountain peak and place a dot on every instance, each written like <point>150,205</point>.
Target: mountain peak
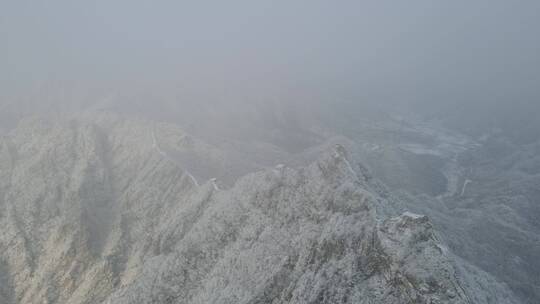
<point>119,223</point>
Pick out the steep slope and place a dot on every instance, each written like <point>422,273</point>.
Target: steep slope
<point>488,211</point>
<point>93,211</point>
<point>69,192</point>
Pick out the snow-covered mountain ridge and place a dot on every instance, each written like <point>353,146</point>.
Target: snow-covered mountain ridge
<point>95,210</point>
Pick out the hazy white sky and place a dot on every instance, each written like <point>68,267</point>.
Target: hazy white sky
<point>382,51</point>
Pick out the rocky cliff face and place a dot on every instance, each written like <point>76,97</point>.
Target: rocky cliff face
<point>95,210</point>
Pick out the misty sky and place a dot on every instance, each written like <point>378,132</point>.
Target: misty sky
<point>379,51</point>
